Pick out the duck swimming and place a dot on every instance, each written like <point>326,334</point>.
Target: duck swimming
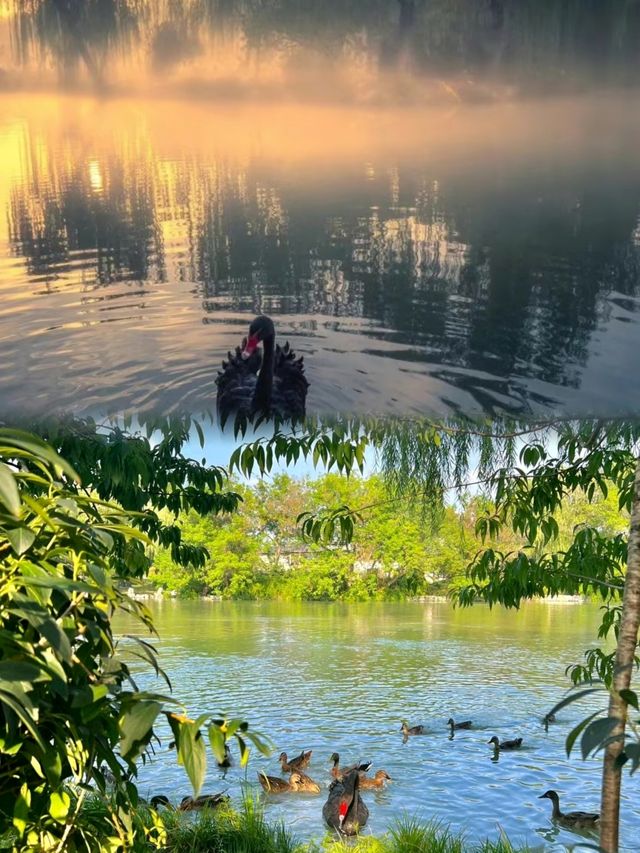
<point>516,743</point>
<point>189,804</point>
<point>466,725</point>
<point>296,763</point>
<point>378,781</point>
<point>344,810</point>
<point>298,783</point>
<point>579,820</point>
<point>207,801</point>
<point>411,730</point>
<point>338,772</point>
<point>252,385</point>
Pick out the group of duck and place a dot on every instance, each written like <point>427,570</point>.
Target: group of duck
<point>577,819</point>
<point>344,809</point>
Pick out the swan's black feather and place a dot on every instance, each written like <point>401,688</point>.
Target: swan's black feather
<point>237,383</point>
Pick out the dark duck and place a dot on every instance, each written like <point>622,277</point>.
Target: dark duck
<point>344,810</point>
<point>255,386</point>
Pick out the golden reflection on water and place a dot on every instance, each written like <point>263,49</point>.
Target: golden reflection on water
<point>171,222</point>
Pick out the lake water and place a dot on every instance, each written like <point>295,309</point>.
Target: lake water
<point>333,677</point>
<point>435,260</point>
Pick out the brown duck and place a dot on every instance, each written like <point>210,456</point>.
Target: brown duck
<point>453,725</point>
<point>516,743</point>
<point>189,804</point>
<point>378,781</point>
<point>580,820</point>
<point>297,763</point>
<point>298,783</point>
<point>339,772</point>
<point>411,730</point>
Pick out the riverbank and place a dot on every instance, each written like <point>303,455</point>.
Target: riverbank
<point>245,830</point>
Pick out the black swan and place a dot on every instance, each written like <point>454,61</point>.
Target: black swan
<point>271,385</point>
<point>344,810</point>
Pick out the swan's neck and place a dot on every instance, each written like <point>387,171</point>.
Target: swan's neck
<point>264,384</point>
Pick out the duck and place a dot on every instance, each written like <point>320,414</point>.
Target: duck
<point>338,772</point>
<point>298,783</point>
<point>251,385</point>
<point>579,820</point>
<point>516,743</point>
<point>378,781</point>
<point>189,804</point>
<point>344,810</point>
<point>208,801</point>
<point>411,730</point>
<point>465,725</point>
<point>296,763</point>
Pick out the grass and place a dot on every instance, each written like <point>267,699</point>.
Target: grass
<point>246,831</point>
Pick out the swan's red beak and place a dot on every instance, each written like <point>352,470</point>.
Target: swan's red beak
<point>342,813</point>
<point>250,346</point>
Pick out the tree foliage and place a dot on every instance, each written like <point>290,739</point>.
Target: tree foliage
<point>69,705</point>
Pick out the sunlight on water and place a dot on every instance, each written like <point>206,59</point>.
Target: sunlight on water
<point>332,677</point>
<point>468,258</point>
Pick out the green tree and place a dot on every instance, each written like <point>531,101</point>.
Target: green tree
<point>68,702</point>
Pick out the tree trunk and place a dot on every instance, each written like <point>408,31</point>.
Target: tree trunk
<point>627,641</point>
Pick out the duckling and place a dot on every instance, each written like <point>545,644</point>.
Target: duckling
<point>579,820</point>
<point>411,730</point>
<point>516,743</point>
<point>297,763</point>
<point>344,810</point>
<point>378,780</point>
<point>466,725</point>
<point>208,801</point>
<point>298,783</point>
<point>338,772</point>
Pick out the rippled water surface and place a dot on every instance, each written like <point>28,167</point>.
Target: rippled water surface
<point>332,677</point>
<point>473,258</point>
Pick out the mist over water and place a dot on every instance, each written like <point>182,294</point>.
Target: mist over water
<point>477,259</point>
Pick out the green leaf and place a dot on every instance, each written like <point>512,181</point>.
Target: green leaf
<point>596,733</point>
<point>21,809</point>
<point>574,697</point>
<point>9,494</point>
<point>135,725</point>
<point>59,805</point>
<point>19,671</point>
<point>217,741</point>
<point>575,732</point>
<point>192,754</point>
<point>630,698</point>
<point>21,539</point>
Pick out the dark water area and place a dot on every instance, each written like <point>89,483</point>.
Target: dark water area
<point>335,677</point>
<point>478,259</point>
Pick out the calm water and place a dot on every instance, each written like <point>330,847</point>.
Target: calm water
<point>474,259</point>
<point>336,677</point>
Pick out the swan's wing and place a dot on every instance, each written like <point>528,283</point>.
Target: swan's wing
<point>290,385</point>
<point>236,384</point>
